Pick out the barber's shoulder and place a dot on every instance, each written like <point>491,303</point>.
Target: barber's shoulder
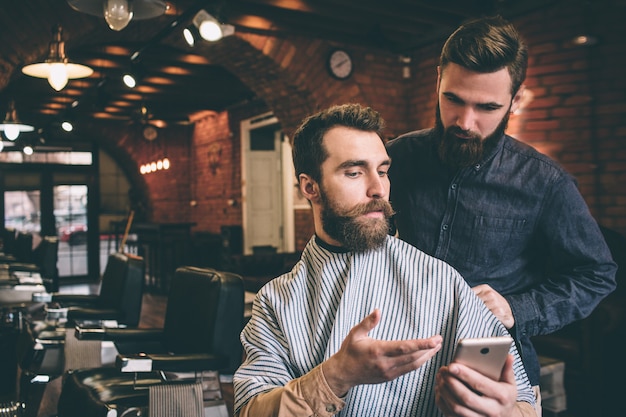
<point>532,155</point>
<point>409,144</point>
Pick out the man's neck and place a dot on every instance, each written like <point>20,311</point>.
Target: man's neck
<point>328,246</point>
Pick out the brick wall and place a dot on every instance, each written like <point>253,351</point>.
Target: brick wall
<point>575,116</point>
<point>579,99</point>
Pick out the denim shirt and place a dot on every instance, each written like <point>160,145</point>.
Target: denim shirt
<point>515,221</point>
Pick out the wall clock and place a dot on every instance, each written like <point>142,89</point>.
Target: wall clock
<point>150,132</point>
<point>340,64</point>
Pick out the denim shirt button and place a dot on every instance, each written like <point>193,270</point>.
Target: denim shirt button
<point>444,227</point>
<point>453,186</point>
<point>477,167</point>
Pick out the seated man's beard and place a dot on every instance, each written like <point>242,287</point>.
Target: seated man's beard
<point>356,233</point>
<point>460,153</point>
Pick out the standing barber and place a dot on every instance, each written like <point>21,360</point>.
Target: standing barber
<point>507,217</point>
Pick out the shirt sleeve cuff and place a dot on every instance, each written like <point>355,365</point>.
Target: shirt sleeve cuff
<point>525,312</point>
<point>318,394</point>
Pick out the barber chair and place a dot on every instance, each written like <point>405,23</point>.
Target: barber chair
<point>43,270</point>
<point>8,235</point>
<point>175,367</point>
<point>119,298</point>
<point>24,247</point>
<point>40,348</point>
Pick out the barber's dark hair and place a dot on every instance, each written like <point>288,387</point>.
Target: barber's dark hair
<point>487,45</point>
<point>308,151</point>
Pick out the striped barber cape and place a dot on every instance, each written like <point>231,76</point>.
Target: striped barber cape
<point>301,318</point>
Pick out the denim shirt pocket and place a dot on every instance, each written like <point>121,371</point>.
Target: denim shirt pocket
<point>494,240</point>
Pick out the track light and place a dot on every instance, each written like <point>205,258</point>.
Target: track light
<point>12,126</point>
<point>132,77</point>
<point>207,27</point>
<point>56,67</point>
<point>118,13</point>
<point>67,126</point>
<point>190,33</point>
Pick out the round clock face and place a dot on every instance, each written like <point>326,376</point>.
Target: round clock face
<point>150,132</point>
<point>340,64</point>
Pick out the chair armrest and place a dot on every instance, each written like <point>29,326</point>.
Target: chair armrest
<point>117,334</point>
<point>186,362</point>
<point>23,266</point>
<point>50,337</point>
<point>75,313</point>
<point>74,298</point>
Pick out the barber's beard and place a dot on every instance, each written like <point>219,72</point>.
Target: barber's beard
<point>355,232</point>
<point>460,153</point>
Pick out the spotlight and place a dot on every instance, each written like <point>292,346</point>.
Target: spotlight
<point>67,126</point>
<point>209,27</point>
<point>190,33</point>
<point>132,77</point>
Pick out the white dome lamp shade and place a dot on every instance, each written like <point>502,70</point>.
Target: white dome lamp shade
<point>118,13</point>
<point>56,67</point>
<point>11,124</point>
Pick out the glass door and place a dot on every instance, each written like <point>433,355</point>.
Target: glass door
<point>70,215</point>
<point>49,203</point>
<point>22,212</point>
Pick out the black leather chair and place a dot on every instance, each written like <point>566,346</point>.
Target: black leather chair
<point>204,318</point>
<point>119,298</point>
<point>8,244</point>
<point>40,347</point>
<point>24,247</point>
<point>45,258</point>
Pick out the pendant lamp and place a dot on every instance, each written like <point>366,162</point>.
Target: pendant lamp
<point>11,124</point>
<point>56,67</point>
<point>118,13</point>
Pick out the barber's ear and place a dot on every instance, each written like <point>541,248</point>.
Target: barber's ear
<point>438,78</point>
<point>309,188</point>
<point>518,99</point>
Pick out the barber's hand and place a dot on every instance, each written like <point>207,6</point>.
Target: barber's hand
<point>496,303</point>
<point>457,386</point>
<point>363,360</point>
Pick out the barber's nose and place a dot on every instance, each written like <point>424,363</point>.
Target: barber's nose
<point>465,118</point>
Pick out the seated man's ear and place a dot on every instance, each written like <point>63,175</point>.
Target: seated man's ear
<point>309,188</point>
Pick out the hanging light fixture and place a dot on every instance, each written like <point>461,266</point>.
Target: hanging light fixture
<point>11,124</point>
<point>118,13</point>
<point>56,67</point>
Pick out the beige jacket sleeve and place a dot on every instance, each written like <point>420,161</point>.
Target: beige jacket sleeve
<point>527,410</point>
<point>310,396</point>
<point>306,396</point>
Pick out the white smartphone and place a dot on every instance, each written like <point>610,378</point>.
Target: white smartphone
<point>484,354</point>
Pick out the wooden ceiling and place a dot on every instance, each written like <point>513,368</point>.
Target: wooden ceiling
<point>180,83</point>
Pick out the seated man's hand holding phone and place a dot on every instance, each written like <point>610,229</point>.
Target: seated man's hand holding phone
<point>481,368</point>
